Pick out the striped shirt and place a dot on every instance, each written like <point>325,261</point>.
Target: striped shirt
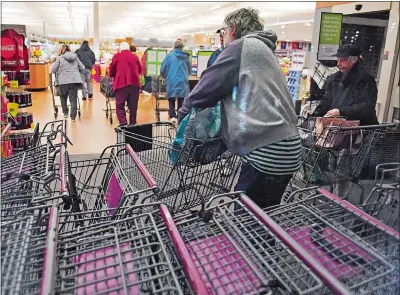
<point>280,158</point>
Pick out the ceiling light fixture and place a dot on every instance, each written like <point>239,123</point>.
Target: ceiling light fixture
<point>214,7</point>
<point>185,15</point>
<point>164,22</point>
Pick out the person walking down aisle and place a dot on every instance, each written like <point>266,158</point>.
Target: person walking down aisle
<point>351,92</point>
<point>176,68</point>
<point>125,68</point>
<point>257,112</point>
<point>147,79</point>
<point>86,56</point>
<point>68,68</point>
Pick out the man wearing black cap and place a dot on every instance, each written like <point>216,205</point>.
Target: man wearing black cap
<point>217,52</point>
<point>351,92</point>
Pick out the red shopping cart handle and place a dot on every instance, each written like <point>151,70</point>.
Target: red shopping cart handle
<point>143,170</point>
<point>360,213</point>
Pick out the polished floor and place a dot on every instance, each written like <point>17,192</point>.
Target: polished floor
<point>91,133</point>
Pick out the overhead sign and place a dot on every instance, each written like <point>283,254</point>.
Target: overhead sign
<point>329,35</point>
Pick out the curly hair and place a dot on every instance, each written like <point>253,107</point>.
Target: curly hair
<point>246,20</point>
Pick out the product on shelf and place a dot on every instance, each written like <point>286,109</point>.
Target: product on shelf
<point>24,121</point>
<point>23,99</point>
<point>293,82</point>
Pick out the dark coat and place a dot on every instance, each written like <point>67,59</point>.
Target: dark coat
<point>86,56</point>
<point>354,95</point>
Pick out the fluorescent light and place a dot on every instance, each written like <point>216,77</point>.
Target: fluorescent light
<point>163,22</point>
<point>149,26</point>
<point>214,7</point>
<point>185,15</point>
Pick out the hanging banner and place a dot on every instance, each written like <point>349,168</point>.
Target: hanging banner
<point>329,35</point>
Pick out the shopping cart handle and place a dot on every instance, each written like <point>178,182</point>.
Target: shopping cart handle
<point>143,170</point>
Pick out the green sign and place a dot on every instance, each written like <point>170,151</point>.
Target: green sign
<point>329,35</point>
<point>154,59</point>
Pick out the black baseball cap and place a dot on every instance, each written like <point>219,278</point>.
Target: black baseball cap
<point>347,50</point>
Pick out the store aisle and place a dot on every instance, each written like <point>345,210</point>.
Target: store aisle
<point>92,132</point>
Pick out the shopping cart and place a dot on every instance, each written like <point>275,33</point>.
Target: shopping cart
<point>114,180</point>
<point>238,249</point>
<point>384,199</point>
<point>198,173</point>
<point>159,91</point>
<point>130,255</point>
<point>337,155</point>
<point>354,247</point>
<point>106,88</point>
<point>54,94</point>
<point>28,254</point>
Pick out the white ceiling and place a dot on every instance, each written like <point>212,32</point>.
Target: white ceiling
<point>162,20</point>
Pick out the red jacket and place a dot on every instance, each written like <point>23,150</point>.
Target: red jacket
<point>143,72</point>
<point>125,68</point>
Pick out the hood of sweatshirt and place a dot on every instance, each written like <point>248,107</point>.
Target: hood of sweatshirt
<point>268,37</point>
<point>69,56</point>
<point>181,54</point>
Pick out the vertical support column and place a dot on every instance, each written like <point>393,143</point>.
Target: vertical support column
<point>87,28</point>
<point>389,63</point>
<point>44,29</point>
<point>96,37</point>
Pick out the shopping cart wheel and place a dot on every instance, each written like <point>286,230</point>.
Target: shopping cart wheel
<point>106,114</point>
<point>55,112</point>
<point>79,113</point>
<point>111,120</point>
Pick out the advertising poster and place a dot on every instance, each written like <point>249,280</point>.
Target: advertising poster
<point>329,35</point>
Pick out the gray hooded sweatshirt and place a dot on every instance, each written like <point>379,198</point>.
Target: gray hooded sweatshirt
<point>67,68</point>
<point>256,108</point>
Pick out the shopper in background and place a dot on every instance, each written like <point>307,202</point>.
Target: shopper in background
<point>351,92</point>
<point>125,69</point>
<point>86,56</point>
<point>132,48</point>
<point>147,85</point>
<point>68,69</point>
<point>257,112</point>
<point>217,52</point>
<point>176,68</point>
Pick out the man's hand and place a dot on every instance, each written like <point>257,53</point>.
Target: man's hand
<point>333,113</point>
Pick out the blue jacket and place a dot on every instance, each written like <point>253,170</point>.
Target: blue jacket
<point>176,68</point>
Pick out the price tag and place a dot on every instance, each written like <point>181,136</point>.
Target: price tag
<point>12,108</point>
<point>14,84</point>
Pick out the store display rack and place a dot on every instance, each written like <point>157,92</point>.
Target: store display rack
<point>293,82</point>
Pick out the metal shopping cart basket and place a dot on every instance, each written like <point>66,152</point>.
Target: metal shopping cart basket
<point>28,254</point>
<point>106,88</point>
<point>130,255</point>
<point>357,249</point>
<point>238,249</point>
<point>116,179</point>
<point>384,199</point>
<point>55,94</point>
<point>337,155</point>
<point>199,172</point>
<point>159,91</point>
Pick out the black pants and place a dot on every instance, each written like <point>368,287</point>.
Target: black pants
<point>171,101</point>
<point>71,91</point>
<point>264,189</point>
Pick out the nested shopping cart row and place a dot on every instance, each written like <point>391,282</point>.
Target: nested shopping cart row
<point>321,245</point>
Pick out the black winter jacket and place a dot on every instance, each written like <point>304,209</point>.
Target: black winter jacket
<point>86,56</point>
<point>355,96</point>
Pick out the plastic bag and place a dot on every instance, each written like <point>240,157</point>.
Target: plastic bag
<point>197,127</point>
